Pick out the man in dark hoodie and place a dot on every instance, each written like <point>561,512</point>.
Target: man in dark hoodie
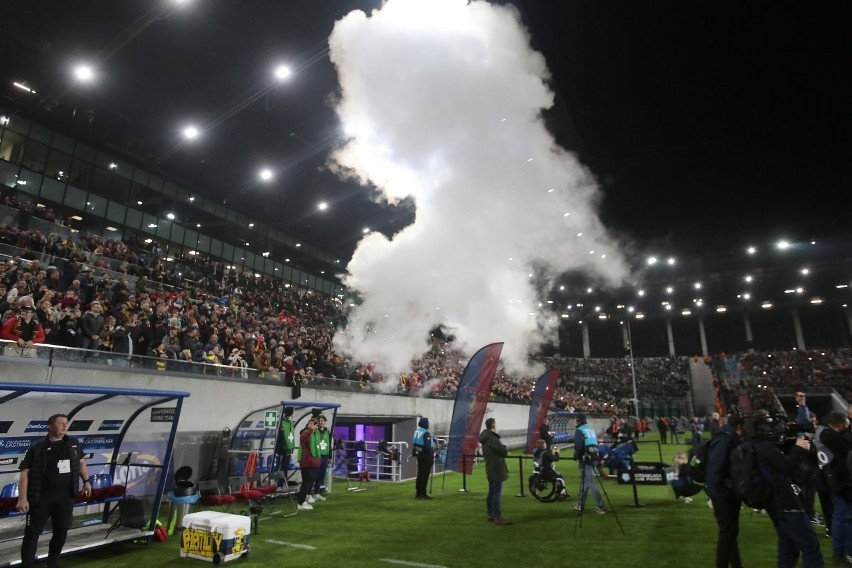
<point>496,471</point>
<point>425,455</point>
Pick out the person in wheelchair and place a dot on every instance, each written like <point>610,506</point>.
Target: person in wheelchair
<point>543,458</point>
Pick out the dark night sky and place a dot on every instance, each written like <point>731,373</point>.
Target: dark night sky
<point>707,124</point>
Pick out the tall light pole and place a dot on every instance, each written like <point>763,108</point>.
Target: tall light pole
<point>632,367</point>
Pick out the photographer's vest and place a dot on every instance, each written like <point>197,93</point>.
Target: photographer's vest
<point>35,477</point>
<point>590,441</point>
<point>324,442</point>
<point>420,440</point>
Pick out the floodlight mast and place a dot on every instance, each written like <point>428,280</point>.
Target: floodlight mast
<point>632,368</point>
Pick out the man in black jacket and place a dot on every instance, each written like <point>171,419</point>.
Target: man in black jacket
<point>834,438</point>
<point>786,508</point>
<point>726,504</point>
<point>46,488</point>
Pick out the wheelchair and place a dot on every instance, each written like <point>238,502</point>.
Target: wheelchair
<point>547,487</point>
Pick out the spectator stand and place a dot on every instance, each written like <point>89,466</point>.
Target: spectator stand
<point>127,437</point>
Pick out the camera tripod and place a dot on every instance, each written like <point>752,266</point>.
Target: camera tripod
<point>581,499</point>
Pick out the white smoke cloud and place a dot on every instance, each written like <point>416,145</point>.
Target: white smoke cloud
<point>441,100</point>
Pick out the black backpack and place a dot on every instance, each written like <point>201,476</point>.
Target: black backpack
<point>698,461</point>
<point>749,480</point>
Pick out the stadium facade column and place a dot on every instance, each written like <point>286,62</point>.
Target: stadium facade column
<point>586,349</point>
<point>848,324</point>
<point>670,336</point>
<point>797,326</point>
<point>749,335</point>
<point>703,335</point>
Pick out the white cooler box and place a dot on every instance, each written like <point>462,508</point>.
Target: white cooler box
<point>214,536</point>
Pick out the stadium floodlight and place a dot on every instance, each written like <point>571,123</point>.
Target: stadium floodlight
<point>84,73</point>
<point>751,250</point>
<point>265,174</point>
<point>652,260</point>
<point>322,205</point>
<point>671,261</point>
<point>191,132</point>
<point>283,72</point>
<point>783,245</point>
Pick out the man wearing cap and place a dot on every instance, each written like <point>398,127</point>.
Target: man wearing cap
<point>23,329</point>
<point>726,504</point>
<point>285,443</point>
<point>425,457</point>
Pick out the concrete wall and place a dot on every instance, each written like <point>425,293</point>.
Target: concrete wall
<point>215,404</point>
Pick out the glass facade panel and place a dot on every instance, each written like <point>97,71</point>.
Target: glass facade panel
<point>58,165</point>
<point>227,252</point>
<point>100,181</point>
<point>40,133</point>
<point>53,190</point>
<point>116,212</point>
<point>11,147</point>
<point>119,189</point>
<point>105,161</point>
<point>149,224</point>
<point>216,247</point>
<point>155,182</point>
<point>62,143</point>
<point>164,228</point>
<point>125,171</point>
<point>8,174</point>
<point>133,218</point>
<point>81,173</point>
<point>85,152</point>
<point>29,182</point>
<point>169,188</point>
<point>75,198</point>
<point>177,233</point>
<point>35,156</point>
<point>203,244</point>
<point>140,176</point>
<point>208,206</point>
<point>96,205</point>
<point>190,238</point>
<point>18,124</point>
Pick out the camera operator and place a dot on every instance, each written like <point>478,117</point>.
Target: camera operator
<point>833,437</point>
<point>587,455</point>
<point>785,473</point>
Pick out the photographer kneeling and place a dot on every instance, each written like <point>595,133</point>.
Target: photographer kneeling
<point>783,475</point>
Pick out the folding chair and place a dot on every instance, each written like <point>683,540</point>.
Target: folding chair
<point>211,495</point>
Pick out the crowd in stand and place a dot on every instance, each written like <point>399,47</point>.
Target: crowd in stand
<point>207,312</point>
<point>752,375</point>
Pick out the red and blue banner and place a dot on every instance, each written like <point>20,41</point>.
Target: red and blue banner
<point>542,396</point>
<point>469,410</point>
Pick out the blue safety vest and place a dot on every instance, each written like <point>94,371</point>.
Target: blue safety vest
<point>420,440</point>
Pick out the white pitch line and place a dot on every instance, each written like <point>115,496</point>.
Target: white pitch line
<point>291,544</point>
<point>407,563</point>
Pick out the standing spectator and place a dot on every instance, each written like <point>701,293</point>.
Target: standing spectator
<point>663,428</point>
<point>695,428</point>
<point>714,425</point>
<point>586,454</point>
<point>309,463</point>
<point>544,432</point>
<point>726,504</point>
<point>92,326</point>
<point>46,488</point>
<point>673,430</point>
<point>425,457</point>
<point>496,471</point>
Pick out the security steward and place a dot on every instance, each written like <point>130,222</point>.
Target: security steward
<point>48,481</point>
<point>425,455</point>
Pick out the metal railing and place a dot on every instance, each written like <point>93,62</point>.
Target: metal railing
<point>381,460</point>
